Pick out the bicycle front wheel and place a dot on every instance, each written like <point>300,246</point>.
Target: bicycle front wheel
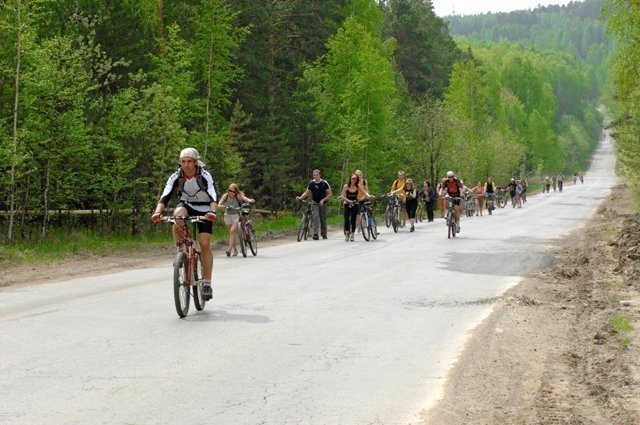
<point>198,296</point>
<point>396,219</point>
<point>304,226</point>
<point>373,228</point>
<point>364,227</point>
<point>181,283</point>
<point>388,215</point>
<point>252,241</point>
<point>242,238</point>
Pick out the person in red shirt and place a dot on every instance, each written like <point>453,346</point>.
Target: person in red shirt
<point>453,188</point>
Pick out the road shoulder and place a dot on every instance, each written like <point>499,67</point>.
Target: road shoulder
<point>549,352</point>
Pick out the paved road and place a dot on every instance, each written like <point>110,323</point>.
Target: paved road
<point>319,332</point>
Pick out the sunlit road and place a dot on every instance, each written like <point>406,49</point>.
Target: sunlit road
<point>318,332</point>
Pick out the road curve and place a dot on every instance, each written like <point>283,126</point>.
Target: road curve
<point>318,332</point>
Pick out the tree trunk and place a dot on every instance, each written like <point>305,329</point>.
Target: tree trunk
<point>14,160</point>
<point>209,67</point>
<point>45,219</point>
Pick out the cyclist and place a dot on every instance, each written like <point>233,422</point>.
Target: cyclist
<point>524,185</point>
<point>352,194</point>
<point>512,192</point>
<point>320,191</point>
<point>453,187</point>
<point>411,201</point>
<point>478,190</point>
<point>547,184</point>
<point>490,191</point>
<point>428,196</point>
<point>398,186</point>
<point>554,181</point>
<point>560,181</point>
<point>194,187</point>
<point>234,197</point>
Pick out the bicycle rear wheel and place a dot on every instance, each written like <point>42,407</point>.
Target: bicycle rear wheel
<point>181,295</point>
<point>242,239</point>
<point>198,296</point>
<point>252,241</point>
<point>304,228</point>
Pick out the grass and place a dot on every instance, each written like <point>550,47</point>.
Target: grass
<point>60,245</point>
<point>621,323</point>
<point>620,285</point>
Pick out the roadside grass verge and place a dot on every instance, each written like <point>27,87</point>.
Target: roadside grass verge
<point>60,245</point>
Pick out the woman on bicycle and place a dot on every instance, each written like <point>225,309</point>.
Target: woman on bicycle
<point>411,201</point>
<point>234,197</point>
<point>352,193</point>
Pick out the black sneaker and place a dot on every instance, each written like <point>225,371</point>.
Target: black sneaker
<point>315,237</point>
<point>324,236</point>
<point>207,292</point>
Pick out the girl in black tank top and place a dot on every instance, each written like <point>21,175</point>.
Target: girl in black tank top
<point>351,206</point>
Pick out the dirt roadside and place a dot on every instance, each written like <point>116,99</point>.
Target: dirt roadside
<point>550,353</point>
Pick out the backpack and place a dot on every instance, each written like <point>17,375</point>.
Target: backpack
<point>201,183</point>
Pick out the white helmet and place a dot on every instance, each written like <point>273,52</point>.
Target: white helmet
<point>450,174</point>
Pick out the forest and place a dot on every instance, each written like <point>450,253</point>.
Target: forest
<point>97,98</point>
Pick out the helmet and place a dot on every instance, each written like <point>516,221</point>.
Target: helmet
<point>189,153</point>
<point>450,174</point>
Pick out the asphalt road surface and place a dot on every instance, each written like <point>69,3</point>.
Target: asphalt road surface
<point>318,332</point>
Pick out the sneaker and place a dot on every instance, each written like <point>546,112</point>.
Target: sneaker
<point>457,228</point>
<point>346,237</point>
<point>207,292</point>
<point>412,229</point>
<point>315,237</point>
<point>324,236</point>
<point>351,238</point>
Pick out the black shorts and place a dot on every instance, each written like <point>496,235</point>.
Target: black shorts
<point>203,227</point>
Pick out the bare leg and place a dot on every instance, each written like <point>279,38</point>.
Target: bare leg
<point>204,239</point>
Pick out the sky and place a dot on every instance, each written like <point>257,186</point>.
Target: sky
<point>474,7</point>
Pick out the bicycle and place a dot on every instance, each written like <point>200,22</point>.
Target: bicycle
<point>450,217</point>
<point>187,269</point>
<point>392,212</point>
<point>305,223</point>
<point>502,197</point>
<point>490,205</point>
<point>420,212</point>
<point>368,226</point>
<point>469,204</point>
<point>246,233</point>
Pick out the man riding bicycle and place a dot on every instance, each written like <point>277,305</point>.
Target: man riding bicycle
<point>194,188</point>
<point>453,188</point>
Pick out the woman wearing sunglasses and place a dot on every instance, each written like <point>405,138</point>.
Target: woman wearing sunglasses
<point>233,197</point>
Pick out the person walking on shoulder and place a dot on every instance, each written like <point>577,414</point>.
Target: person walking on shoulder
<point>320,191</point>
<point>234,197</point>
<point>352,194</point>
<point>411,201</point>
<point>428,196</point>
<point>478,190</point>
<point>194,187</point>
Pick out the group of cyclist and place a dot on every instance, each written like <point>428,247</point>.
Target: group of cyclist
<point>194,187</point>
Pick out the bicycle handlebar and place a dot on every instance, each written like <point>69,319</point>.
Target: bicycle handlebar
<point>191,219</point>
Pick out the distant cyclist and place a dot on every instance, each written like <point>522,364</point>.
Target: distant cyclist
<point>194,188</point>
<point>453,187</point>
<point>490,191</point>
